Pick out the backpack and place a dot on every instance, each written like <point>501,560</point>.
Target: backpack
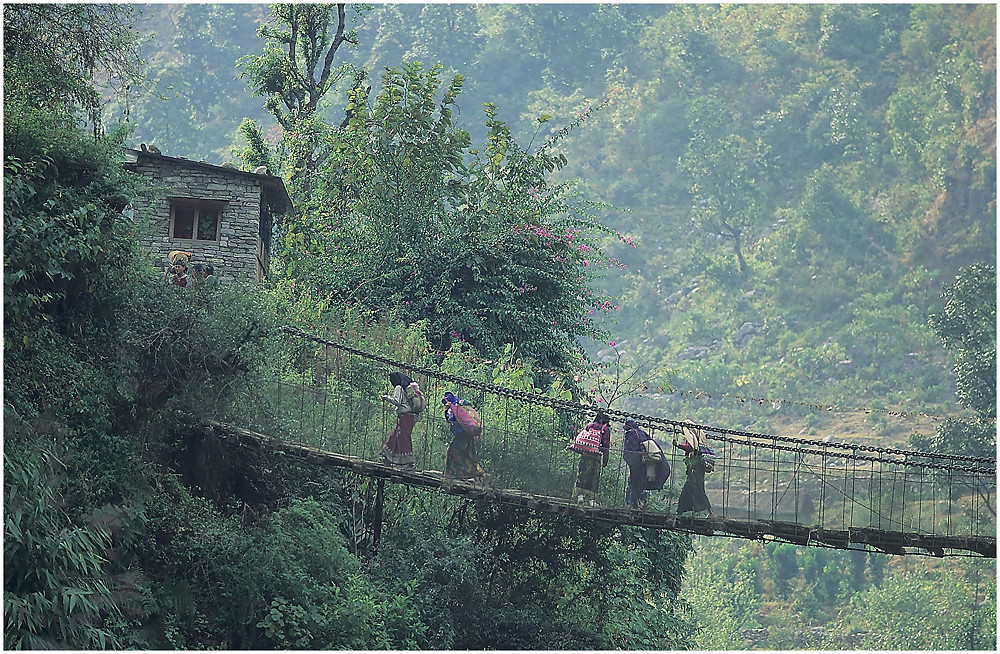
<point>415,397</point>
<point>468,418</point>
<point>708,456</point>
<point>588,441</point>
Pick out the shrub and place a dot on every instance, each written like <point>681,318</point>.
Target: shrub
<point>58,591</point>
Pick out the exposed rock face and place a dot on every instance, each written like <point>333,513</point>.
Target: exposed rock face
<point>743,334</point>
<point>697,351</point>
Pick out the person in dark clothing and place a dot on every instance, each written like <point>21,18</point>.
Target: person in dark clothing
<point>210,280</point>
<point>693,497</point>
<point>645,472</point>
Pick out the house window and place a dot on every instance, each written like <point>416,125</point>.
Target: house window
<point>195,220</point>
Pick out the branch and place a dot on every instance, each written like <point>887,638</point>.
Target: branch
<point>986,501</point>
<point>338,39</point>
<point>297,95</point>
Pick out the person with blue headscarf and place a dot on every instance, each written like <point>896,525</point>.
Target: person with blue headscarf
<point>460,461</point>
<point>645,471</point>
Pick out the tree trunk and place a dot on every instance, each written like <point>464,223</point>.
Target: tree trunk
<point>737,237</point>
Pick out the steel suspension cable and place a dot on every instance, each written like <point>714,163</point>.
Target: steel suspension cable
<point>672,425</point>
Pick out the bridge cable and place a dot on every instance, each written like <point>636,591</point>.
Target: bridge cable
<point>672,425</point>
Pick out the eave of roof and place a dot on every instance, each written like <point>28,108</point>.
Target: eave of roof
<point>274,187</point>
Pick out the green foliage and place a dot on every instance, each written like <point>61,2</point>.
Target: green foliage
<point>296,72</point>
<point>58,588</point>
<point>68,262</point>
<point>66,242</point>
<point>285,582</point>
<point>491,577</point>
<point>723,167</point>
<point>928,611</point>
<point>488,252</point>
<point>778,596</point>
<point>256,152</point>
<point>967,326</point>
<point>723,603</point>
<point>873,165</point>
<point>193,101</point>
<point>194,350</point>
<point>783,564</point>
<point>52,53</point>
<point>440,573</point>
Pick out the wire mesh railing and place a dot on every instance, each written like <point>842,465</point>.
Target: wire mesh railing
<point>328,395</point>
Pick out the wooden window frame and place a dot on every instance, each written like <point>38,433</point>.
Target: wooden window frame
<point>197,205</point>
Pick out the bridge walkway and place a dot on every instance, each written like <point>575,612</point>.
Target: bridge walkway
<point>324,406</point>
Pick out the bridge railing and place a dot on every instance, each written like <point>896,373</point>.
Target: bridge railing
<point>327,395</point>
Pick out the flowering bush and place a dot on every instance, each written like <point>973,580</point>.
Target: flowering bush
<point>477,242</point>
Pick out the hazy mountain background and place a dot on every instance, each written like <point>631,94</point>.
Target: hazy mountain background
<point>857,143</point>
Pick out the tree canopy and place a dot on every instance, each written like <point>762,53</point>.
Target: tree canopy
<point>476,244</point>
<point>296,71</point>
<point>52,53</point>
<point>966,325</point>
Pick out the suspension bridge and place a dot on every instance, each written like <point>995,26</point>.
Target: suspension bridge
<point>325,406</point>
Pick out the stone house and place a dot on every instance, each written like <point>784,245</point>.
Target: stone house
<point>220,214</point>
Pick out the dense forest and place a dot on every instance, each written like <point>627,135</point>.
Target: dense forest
<point>777,217</point>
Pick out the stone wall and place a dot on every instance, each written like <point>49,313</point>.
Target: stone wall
<point>234,256</point>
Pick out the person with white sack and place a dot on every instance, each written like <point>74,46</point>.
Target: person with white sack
<point>693,497</point>
<point>647,466</point>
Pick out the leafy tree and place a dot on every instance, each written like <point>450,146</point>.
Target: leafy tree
<point>487,252</point>
<point>613,589</point>
<point>723,166</point>
<point>52,53</point>
<point>967,326</point>
<point>64,192</point>
<point>296,71</point>
<point>864,35</point>
<point>64,233</point>
<point>726,607</point>
<point>444,33</point>
<point>784,564</point>
<point>922,611</point>
<point>69,257</point>
<point>192,100</point>
<point>200,364</point>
